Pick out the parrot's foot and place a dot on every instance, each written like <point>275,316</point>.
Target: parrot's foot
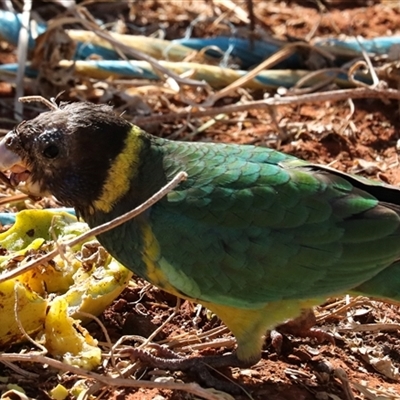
<point>197,365</point>
<point>300,327</point>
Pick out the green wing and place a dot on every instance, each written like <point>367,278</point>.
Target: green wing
<point>252,225</point>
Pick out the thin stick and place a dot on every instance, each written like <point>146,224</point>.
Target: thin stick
<point>13,198</point>
<point>84,18</point>
<point>280,55</point>
<point>179,177</point>
<point>333,95</point>
<point>101,325</point>
<point>162,326</point>
<point>39,99</point>
<point>193,388</point>
<point>21,327</point>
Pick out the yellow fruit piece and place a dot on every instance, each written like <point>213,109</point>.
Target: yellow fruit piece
<point>59,392</point>
<point>18,302</point>
<point>49,297</point>
<point>79,389</point>
<point>65,338</point>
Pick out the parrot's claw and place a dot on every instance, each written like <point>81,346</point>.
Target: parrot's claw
<point>276,340</point>
<point>319,334</point>
<point>300,327</point>
<point>197,365</point>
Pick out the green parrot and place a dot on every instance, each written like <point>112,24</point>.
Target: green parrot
<point>254,235</point>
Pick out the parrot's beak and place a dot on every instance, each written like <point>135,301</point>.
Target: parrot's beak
<point>8,159</point>
<point>19,172</point>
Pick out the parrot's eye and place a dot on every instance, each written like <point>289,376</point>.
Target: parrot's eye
<point>51,151</point>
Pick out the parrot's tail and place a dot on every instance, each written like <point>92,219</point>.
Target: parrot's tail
<point>384,286</point>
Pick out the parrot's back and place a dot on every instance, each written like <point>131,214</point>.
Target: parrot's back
<point>252,225</point>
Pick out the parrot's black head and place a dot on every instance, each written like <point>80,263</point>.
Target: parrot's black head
<point>66,152</point>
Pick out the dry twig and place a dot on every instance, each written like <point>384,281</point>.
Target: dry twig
<point>193,388</point>
<point>179,177</point>
<point>333,95</point>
